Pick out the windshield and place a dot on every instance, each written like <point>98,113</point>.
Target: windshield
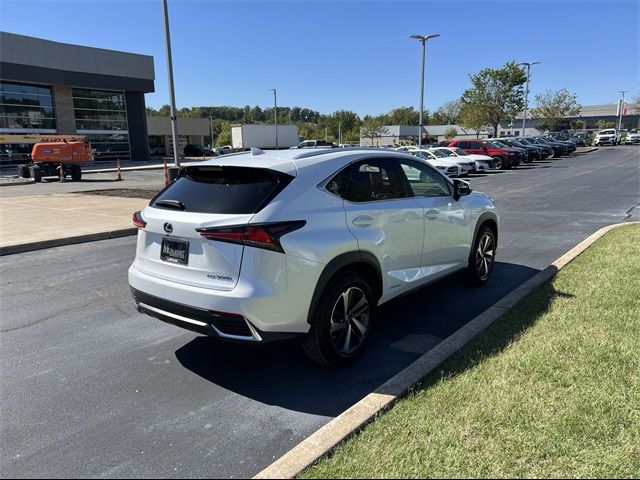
<point>440,153</point>
<point>607,132</point>
<point>423,155</point>
<point>495,144</point>
<point>460,152</point>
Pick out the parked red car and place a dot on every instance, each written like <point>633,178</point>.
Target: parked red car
<point>504,157</point>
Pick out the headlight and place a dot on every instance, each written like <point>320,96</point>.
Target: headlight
<point>441,168</point>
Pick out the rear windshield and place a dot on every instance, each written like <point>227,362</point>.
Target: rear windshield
<point>222,190</point>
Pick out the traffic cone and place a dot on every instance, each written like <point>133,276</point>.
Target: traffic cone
<point>118,176</point>
<point>166,174</point>
<point>61,168</point>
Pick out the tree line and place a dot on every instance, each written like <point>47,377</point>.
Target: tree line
<point>496,95</point>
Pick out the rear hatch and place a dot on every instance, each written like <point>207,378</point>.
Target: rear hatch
<point>170,247</point>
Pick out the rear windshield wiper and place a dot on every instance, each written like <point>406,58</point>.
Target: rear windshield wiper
<point>177,204</point>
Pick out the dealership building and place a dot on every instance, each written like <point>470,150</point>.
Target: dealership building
<point>49,88</point>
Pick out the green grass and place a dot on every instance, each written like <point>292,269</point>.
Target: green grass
<point>552,389</point>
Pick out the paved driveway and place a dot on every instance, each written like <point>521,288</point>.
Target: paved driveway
<point>92,388</point>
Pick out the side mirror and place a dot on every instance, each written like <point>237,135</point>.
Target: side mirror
<point>460,188</point>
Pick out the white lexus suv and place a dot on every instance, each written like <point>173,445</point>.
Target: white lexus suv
<point>264,245</point>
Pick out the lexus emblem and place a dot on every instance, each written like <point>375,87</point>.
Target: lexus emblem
<point>168,228</point>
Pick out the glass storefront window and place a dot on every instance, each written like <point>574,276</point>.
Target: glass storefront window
<point>102,116</point>
<point>26,107</point>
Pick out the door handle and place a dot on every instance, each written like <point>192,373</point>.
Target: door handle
<point>363,221</point>
<point>431,215</point>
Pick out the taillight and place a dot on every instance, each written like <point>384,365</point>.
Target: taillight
<point>265,235</point>
<point>138,221</point>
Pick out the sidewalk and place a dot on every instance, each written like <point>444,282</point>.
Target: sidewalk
<point>42,221</point>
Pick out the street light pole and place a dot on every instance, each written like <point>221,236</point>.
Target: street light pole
<point>172,106</point>
<point>526,95</point>
<point>621,108</point>
<point>211,132</point>
<point>423,39</point>
<point>275,114</point>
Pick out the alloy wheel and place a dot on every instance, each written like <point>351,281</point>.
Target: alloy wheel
<point>484,256</point>
<point>349,321</point>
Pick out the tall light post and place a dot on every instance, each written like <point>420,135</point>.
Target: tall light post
<point>211,131</point>
<point>526,95</point>
<point>423,39</point>
<point>275,114</point>
<point>172,95</point>
<point>621,108</point>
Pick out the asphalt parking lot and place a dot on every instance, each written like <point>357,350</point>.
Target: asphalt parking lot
<point>91,388</point>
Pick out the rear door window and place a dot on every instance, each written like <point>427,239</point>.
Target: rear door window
<point>222,190</point>
<point>463,145</point>
<point>475,145</point>
<point>376,179</point>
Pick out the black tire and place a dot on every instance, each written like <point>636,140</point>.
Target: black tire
<point>23,171</point>
<point>480,263</point>
<point>35,173</point>
<point>76,173</point>
<point>498,163</point>
<point>321,343</point>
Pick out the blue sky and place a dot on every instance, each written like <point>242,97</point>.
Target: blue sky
<point>352,55</point>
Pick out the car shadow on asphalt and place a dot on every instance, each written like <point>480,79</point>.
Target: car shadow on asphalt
<point>281,375</point>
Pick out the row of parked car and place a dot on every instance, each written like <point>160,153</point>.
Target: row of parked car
<point>458,158</point>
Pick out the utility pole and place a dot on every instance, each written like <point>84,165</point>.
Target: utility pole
<point>275,113</point>
<point>174,120</point>
<point>621,108</point>
<point>526,95</point>
<point>423,39</point>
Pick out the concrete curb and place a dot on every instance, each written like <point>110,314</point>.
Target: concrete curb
<point>324,440</point>
<point>58,242</point>
<point>26,181</point>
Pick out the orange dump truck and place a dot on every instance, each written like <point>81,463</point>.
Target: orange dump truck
<point>48,158</point>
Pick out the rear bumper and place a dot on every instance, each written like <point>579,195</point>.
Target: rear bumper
<point>278,303</point>
<point>230,328</point>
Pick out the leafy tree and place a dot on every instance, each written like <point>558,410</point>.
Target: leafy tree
<point>602,124</point>
<point>634,106</point>
<point>450,133</point>
<point>372,129</point>
<point>342,119</point>
<point>552,107</point>
<point>449,113</point>
<point>577,124</point>
<point>403,116</point>
<point>164,111</point>
<point>496,95</point>
<point>224,137</point>
<point>473,117</point>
